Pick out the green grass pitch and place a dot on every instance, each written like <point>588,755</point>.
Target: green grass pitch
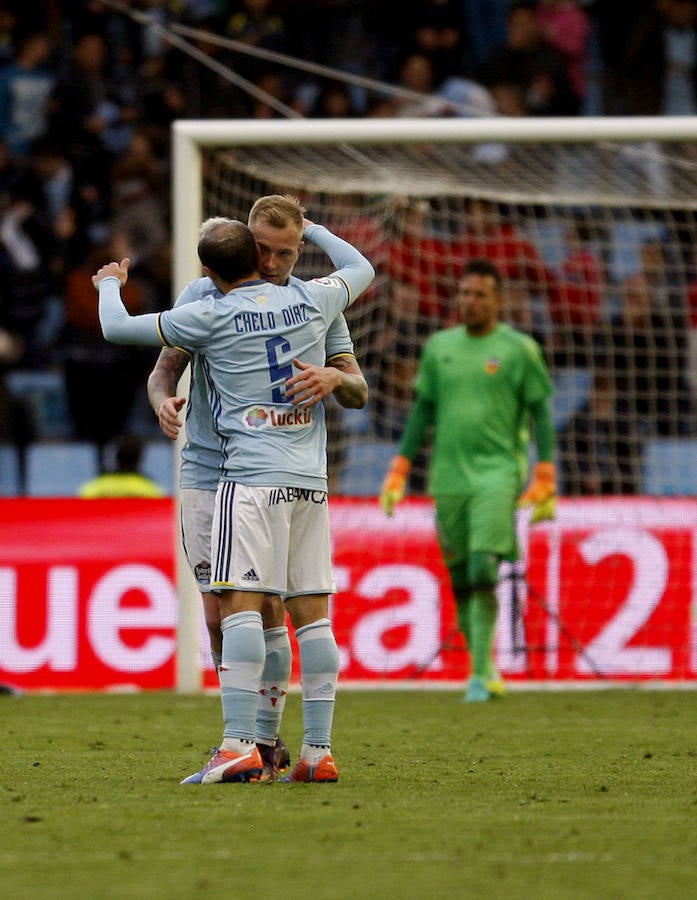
<point>539,795</point>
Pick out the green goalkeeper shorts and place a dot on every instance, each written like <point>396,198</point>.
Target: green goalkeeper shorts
<point>483,522</point>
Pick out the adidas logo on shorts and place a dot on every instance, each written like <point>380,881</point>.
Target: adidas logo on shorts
<point>250,576</point>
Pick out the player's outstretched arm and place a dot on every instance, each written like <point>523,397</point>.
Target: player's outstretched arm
<point>162,390</point>
<point>351,266</point>
<point>114,270</point>
<point>118,326</point>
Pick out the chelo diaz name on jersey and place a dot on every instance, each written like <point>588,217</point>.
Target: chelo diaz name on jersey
<point>257,418</point>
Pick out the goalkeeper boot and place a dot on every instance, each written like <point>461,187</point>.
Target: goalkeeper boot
<point>477,690</point>
<point>276,759</point>
<point>228,766</point>
<point>494,683</point>
<point>324,771</point>
<point>496,687</point>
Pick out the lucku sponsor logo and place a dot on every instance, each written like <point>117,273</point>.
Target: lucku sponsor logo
<point>256,418</point>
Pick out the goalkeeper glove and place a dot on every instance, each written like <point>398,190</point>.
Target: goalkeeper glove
<point>395,484</point>
<point>541,493</point>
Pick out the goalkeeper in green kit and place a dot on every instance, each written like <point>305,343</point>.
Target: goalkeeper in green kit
<point>480,386</point>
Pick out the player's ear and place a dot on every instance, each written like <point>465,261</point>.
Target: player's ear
<point>300,247</point>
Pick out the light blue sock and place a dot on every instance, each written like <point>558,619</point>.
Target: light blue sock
<point>240,673</point>
<point>319,664</point>
<point>274,684</point>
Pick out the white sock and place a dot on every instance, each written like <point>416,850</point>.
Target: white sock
<point>314,755</point>
<point>236,745</point>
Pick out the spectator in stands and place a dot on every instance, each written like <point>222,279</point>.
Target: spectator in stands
<point>139,218</point>
<point>8,35</point>
<point>692,336</point>
<point>209,95</point>
<point>423,271</point>
<point>257,24</point>
<point>416,73</point>
<point>486,23</point>
<point>163,96</point>
<point>52,179</point>
<point>81,17</point>
<point>612,25</point>
<point>509,99</point>
<point>93,114</point>
<point>17,419</point>
<point>48,185</point>
<point>94,370</point>
<point>645,346</point>
<point>275,95</point>
<point>27,283</point>
<point>566,25</point>
<point>528,60</point>
<point>139,191</point>
<point>334,101</point>
<point>660,62</point>
<point>26,86</point>
<point>435,28</point>
<point>599,448</point>
<point>12,171</point>
<point>330,33</point>
<point>350,217</point>
<point>126,480</point>
<point>88,217</point>
<point>575,304</point>
<point>422,263</point>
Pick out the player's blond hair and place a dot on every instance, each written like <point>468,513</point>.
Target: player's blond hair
<point>278,211</point>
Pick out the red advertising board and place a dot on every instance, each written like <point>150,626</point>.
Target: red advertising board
<point>607,591</point>
<point>87,597</point>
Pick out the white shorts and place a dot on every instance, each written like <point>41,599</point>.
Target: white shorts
<point>196,510</point>
<point>271,539</point>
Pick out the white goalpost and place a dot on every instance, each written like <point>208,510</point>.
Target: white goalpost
<point>589,218</point>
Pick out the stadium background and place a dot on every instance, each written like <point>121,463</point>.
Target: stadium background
<point>92,180</point>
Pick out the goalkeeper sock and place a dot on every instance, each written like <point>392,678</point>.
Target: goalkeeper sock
<point>464,615</point>
<point>483,615</point>
<point>274,684</point>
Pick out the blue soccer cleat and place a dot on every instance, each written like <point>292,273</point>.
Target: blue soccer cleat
<point>477,691</point>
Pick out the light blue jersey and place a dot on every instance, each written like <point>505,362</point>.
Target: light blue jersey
<point>201,455</point>
<point>248,339</point>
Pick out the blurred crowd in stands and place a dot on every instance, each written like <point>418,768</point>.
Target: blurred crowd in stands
<point>88,95</point>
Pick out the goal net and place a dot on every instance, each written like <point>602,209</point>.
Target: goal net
<point>593,224</point>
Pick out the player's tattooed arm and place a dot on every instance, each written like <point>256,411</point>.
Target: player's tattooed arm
<point>352,392</point>
<point>162,389</point>
<point>342,377</point>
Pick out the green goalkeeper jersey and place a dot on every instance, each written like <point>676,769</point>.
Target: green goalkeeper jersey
<point>477,392</point>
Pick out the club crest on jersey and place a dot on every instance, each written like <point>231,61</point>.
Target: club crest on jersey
<point>257,418</point>
<point>330,282</point>
<point>492,365</point>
